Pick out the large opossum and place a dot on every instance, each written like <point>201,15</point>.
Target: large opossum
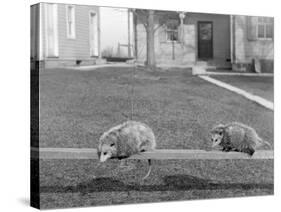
<point>125,140</point>
<point>237,137</point>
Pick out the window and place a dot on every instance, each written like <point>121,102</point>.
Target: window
<point>51,18</point>
<point>172,33</point>
<point>70,21</point>
<point>93,34</point>
<point>265,28</point>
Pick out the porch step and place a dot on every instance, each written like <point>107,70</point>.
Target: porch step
<point>201,67</point>
<point>201,63</point>
<point>215,65</point>
<point>205,64</point>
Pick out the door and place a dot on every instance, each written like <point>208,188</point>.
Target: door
<point>93,34</point>
<point>205,40</point>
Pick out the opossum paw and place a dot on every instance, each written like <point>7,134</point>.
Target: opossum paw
<point>226,150</point>
<point>250,152</point>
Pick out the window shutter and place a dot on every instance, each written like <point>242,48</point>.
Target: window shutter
<point>252,26</point>
<point>162,34</point>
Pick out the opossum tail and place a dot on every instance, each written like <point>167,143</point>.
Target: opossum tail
<point>149,170</point>
<point>264,143</point>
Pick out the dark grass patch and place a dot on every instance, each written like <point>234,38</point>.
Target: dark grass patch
<point>81,181</point>
<point>261,86</point>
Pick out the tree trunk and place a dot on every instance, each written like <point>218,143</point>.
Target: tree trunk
<point>150,56</point>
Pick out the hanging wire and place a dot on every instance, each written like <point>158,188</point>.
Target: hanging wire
<point>133,73</point>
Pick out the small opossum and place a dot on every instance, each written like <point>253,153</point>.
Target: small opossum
<point>237,137</point>
<point>125,140</point>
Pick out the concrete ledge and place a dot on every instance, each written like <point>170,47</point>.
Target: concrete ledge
<point>159,154</point>
<point>198,70</point>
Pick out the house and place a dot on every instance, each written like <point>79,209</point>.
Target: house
<point>216,40</point>
<point>65,34</point>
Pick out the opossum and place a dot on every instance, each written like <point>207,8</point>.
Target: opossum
<point>237,137</point>
<point>125,140</point>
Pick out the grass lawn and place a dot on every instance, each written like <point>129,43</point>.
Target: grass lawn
<point>76,107</point>
<point>260,86</point>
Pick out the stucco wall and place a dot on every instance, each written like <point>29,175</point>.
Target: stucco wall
<point>246,49</point>
<point>186,51</point>
<point>221,34</point>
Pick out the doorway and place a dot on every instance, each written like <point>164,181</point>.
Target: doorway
<point>205,40</point>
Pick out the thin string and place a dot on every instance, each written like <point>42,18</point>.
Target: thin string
<point>132,91</point>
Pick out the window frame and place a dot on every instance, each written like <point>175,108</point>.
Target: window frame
<point>54,21</point>
<point>73,17</point>
<point>96,46</point>
<point>265,25</point>
<point>167,29</point>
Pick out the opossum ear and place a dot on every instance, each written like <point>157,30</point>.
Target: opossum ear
<point>218,128</point>
<point>221,130</point>
<point>114,133</point>
<point>221,126</point>
<point>100,134</point>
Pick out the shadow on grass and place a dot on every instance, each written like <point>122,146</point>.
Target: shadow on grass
<point>171,183</point>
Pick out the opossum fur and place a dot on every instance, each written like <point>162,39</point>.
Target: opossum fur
<point>237,137</point>
<point>125,140</point>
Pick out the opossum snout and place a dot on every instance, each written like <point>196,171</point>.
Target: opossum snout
<point>104,156</point>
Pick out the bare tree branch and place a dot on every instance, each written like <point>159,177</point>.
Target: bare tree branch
<point>142,16</point>
<point>158,26</point>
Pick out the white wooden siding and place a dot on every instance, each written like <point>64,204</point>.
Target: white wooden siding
<point>69,49</point>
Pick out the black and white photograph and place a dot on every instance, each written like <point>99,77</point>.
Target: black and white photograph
<point>141,105</point>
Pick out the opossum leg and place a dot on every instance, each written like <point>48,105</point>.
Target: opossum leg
<point>149,170</point>
<point>121,157</point>
<point>249,151</point>
<point>226,149</point>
